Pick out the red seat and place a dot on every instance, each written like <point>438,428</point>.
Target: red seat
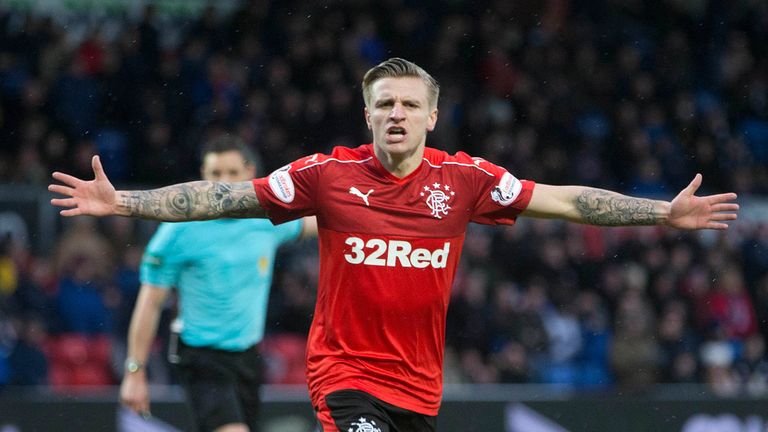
<point>101,349</point>
<point>91,374</point>
<point>285,357</point>
<point>59,375</point>
<point>78,360</point>
<point>70,349</point>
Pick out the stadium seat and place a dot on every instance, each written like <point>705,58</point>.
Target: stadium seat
<point>284,355</point>
<point>100,349</point>
<point>79,360</point>
<point>59,375</point>
<point>70,349</point>
<point>91,374</point>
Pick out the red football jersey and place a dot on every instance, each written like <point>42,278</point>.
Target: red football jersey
<point>389,248</point>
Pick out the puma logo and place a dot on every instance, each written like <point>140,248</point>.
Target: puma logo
<point>355,191</point>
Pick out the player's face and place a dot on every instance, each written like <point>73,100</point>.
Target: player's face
<point>229,166</point>
<point>399,115</point>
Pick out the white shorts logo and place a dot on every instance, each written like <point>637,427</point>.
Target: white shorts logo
<point>363,425</point>
<point>507,190</point>
<point>282,185</point>
<point>394,253</point>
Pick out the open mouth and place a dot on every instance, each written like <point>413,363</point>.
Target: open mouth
<point>396,134</point>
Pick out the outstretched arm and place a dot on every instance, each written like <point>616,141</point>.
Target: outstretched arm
<point>605,208</point>
<point>198,200</point>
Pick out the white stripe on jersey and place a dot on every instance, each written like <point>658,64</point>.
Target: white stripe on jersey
<point>371,157</point>
<point>459,164</point>
<point>337,160</point>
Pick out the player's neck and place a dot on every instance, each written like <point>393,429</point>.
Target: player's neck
<point>398,164</point>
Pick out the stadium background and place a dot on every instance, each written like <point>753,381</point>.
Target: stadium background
<point>635,96</point>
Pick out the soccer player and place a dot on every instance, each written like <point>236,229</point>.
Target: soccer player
<point>392,217</point>
<point>222,270</point>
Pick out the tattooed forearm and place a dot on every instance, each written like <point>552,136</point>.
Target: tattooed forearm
<point>236,200</point>
<point>600,207</point>
<point>199,200</point>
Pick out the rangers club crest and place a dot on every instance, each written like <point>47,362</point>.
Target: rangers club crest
<point>437,199</point>
<point>364,425</point>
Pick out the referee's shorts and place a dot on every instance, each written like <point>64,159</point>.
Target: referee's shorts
<point>222,386</point>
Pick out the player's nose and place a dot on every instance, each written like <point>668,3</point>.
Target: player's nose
<point>398,112</point>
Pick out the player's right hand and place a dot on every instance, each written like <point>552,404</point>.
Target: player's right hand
<point>96,197</point>
<point>134,393</point>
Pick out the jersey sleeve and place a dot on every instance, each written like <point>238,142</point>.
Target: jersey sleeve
<point>291,191</point>
<point>162,263</point>
<point>502,197</point>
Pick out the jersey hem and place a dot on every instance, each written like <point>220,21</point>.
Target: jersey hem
<point>430,410</point>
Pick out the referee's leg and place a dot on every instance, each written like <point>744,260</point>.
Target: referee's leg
<point>212,390</point>
<point>216,405</point>
<point>251,374</point>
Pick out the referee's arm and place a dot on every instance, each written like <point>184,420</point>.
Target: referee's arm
<point>134,390</point>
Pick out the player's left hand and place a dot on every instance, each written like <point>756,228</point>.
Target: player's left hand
<point>690,212</point>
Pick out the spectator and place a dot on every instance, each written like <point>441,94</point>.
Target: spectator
<point>28,363</point>
<point>635,352</point>
<point>678,344</point>
<point>84,263</point>
<point>752,366</point>
<point>730,307</point>
<point>717,358</point>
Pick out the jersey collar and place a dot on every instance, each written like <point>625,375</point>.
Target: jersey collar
<point>388,175</point>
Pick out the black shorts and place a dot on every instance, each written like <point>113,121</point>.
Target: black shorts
<point>357,411</point>
<point>222,386</point>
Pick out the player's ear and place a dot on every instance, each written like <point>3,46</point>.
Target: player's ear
<point>367,117</point>
<point>432,120</point>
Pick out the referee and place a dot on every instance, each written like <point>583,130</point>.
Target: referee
<point>222,270</point>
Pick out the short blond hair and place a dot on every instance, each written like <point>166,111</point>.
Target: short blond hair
<point>397,68</point>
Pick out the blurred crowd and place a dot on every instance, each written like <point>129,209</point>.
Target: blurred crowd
<point>633,96</point>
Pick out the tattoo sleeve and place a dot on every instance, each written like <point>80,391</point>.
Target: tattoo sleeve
<point>199,200</point>
<point>601,207</point>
